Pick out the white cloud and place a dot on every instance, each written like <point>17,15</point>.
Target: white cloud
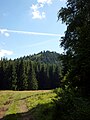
<point>5,52</point>
<point>63,0</point>
<point>36,14</point>
<point>45,1</point>
<point>4,32</point>
<point>31,33</point>
<point>7,34</point>
<point>34,7</point>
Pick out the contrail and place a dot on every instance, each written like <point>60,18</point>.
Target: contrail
<point>28,33</point>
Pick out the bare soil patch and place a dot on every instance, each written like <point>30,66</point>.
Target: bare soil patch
<point>4,108</point>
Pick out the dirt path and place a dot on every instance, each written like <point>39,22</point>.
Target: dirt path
<point>2,111</point>
<point>24,110</point>
<point>4,108</point>
<point>25,115</point>
<point>23,107</point>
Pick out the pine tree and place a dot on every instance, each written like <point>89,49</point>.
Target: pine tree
<point>2,73</point>
<point>76,43</point>
<point>14,78</point>
<point>51,75</point>
<point>57,77</point>
<point>32,81</point>
<point>22,78</point>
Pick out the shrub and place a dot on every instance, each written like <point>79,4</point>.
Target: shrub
<point>70,106</point>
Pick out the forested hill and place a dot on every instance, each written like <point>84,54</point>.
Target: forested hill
<point>38,71</point>
<point>44,57</point>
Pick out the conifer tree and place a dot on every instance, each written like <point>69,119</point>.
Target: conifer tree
<point>14,78</point>
<point>57,77</point>
<point>23,82</point>
<point>32,81</point>
<point>76,43</point>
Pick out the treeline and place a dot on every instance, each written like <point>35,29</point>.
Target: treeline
<point>44,57</point>
<point>21,74</point>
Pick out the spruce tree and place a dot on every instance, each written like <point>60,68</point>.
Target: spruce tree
<point>76,43</point>
<point>32,81</point>
<point>22,78</point>
<point>14,78</point>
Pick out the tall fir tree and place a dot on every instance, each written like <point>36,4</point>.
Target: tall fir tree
<point>23,81</point>
<point>14,78</point>
<point>76,43</point>
<point>32,81</point>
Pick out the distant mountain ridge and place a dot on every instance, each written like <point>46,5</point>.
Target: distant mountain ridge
<point>44,57</point>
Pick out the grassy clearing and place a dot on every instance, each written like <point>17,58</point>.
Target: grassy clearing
<point>22,104</point>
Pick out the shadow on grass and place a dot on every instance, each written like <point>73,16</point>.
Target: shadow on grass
<point>40,112</point>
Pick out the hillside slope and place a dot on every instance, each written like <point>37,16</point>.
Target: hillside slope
<point>44,57</point>
<point>40,71</point>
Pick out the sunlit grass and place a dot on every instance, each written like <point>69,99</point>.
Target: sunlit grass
<point>41,98</point>
<point>12,100</point>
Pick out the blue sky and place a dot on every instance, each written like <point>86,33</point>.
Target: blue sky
<point>29,26</point>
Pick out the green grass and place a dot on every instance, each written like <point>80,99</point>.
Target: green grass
<point>4,97</point>
<point>17,103</point>
<point>43,105</point>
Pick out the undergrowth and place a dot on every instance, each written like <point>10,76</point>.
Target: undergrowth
<point>70,106</point>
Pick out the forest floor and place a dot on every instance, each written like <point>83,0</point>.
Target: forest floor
<point>24,105</point>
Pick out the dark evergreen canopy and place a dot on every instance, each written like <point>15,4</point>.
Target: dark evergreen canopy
<point>76,43</point>
<point>30,72</point>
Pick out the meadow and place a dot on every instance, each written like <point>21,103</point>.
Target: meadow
<point>26,105</point>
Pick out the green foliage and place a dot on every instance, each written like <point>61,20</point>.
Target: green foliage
<point>76,43</point>
<point>24,74</point>
<point>44,57</point>
<point>70,103</point>
<point>14,78</point>
<point>69,106</point>
<point>44,111</point>
<point>33,84</point>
